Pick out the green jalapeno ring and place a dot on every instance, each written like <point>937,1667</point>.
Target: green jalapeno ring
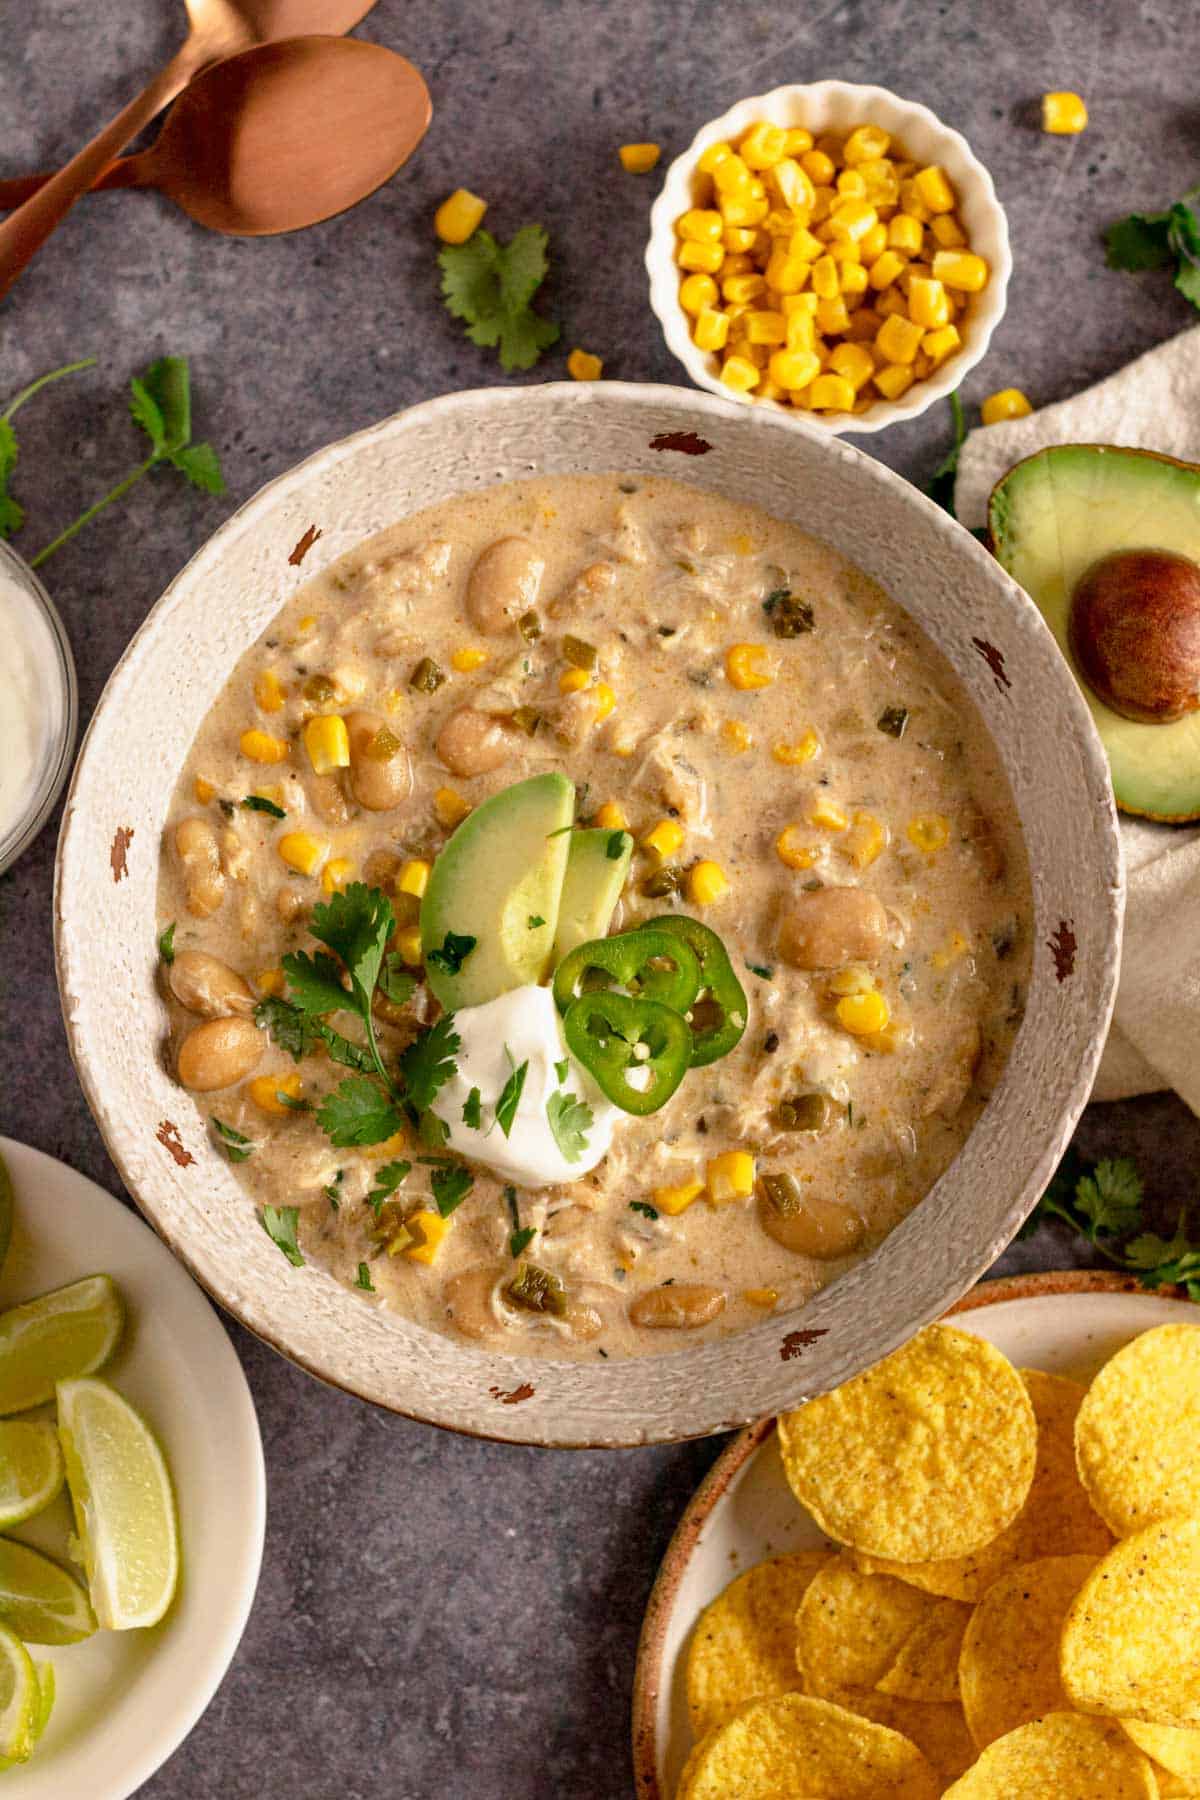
<point>605,1032</point>
<point>719,987</point>
<point>628,961</point>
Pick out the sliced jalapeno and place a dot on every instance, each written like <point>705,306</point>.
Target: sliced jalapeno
<point>637,1051</point>
<point>649,964</point>
<point>720,1017</point>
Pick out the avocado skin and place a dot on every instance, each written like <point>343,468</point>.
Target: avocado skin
<point>1054,515</point>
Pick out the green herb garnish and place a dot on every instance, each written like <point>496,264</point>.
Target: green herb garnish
<point>643,1206</point>
<point>428,1063</point>
<point>941,482</point>
<point>535,919</point>
<point>12,515</point>
<point>364,1279</point>
<point>333,1192</point>
<point>472,1112</point>
<point>454,952</point>
<point>510,1094</point>
<point>615,846</point>
<point>236,1147</point>
<point>280,1223</point>
<point>490,287</point>
<point>359,1112</point>
<point>761,970</point>
<point>562,1070</point>
<point>260,803</point>
<point>166,944</point>
<point>1153,240</point>
<point>1103,1202</point>
<point>570,1120</point>
<point>387,1180</point>
<point>450,1186</point>
<point>290,1103</point>
<point>521,1240</point>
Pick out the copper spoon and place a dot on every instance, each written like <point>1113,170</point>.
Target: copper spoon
<point>218,28</point>
<point>277,138</point>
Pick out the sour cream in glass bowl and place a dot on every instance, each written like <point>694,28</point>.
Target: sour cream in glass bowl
<point>37,706</point>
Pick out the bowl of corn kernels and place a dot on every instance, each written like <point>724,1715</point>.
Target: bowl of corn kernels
<point>831,251</point>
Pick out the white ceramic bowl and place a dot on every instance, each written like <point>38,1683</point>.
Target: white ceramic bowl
<point>835,106</point>
<point>45,636</point>
<point>173,671</point>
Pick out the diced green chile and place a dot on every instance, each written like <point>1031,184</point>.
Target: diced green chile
<point>650,964</point>
<point>615,1037</point>
<point>718,1028</point>
<point>535,1289</point>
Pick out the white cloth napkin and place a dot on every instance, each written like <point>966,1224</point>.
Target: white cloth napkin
<point>1152,404</point>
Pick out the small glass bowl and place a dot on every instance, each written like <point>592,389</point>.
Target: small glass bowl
<point>56,668</point>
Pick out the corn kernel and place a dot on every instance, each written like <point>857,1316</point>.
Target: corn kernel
<point>791,851</point>
<point>338,873</point>
<point>786,274</point>
<point>800,334</point>
<point>710,160</point>
<point>843,251</point>
<point>825,278</point>
<point>904,234</point>
<point>885,269</point>
<point>766,1297</point>
<point>928,306</point>
<point>750,665</point>
<point>873,243</point>
<point>793,187</point>
<point>706,882</point>
<point>801,750</point>
<point>797,141</point>
<point>819,168</point>
<point>947,232</point>
<point>804,245</point>
<point>831,393</point>
<point>866,143</point>
<point>696,292</point>
<point>449,808</point>
<point>572,680</point>
<point>271,981</point>
<point>893,380</point>
<point>862,1015</point>
<point>302,851</point>
<point>763,145</point>
<point>738,238</point>
<point>740,374</point>
<point>307,624</point>
<point>328,743</point>
<point>265,1090</point>
<point>899,339</point>
<point>738,736</point>
<point>408,943</point>
<point>203,790</point>
<point>468,659</point>
<point>826,814</point>
<point>934,189</point>
<point>611,817</point>
<point>731,175</point>
<point>269,691</point>
<point>851,185</point>
<point>741,289</point>
<point>852,219</point>
<point>854,979</point>
<point>891,301</point>
<point>704,258</point>
<point>460,215</point>
<point>1007,403</point>
<point>730,1176</point>
<point>865,841</point>
<point>665,838</point>
<point>430,1231</point>
<point>1063,114</point>
<point>938,345</point>
<point>930,832</point>
<point>791,304</point>
<point>605,699</point>
<point>864,324</point>
<point>737,209</point>
<point>833,316</point>
<point>674,1200</point>
<point>854,362</point>
<point>961,269</point>
<point>413,878</point>
<point>583,366</point>
<point>766,327</point>
<point>261,747</point>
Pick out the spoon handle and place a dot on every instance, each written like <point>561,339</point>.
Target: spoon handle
<point>126,172</point>
<point>26,230</point>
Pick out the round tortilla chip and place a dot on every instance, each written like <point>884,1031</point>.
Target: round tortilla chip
<point>743,1646</point>
<point>1009,1666</point>
<point>855,1630</point>
<point>1129,1644</point>
<point>1061,1757</point>
<point>792,1744</point>
<point>1174,1748</point>
<point>929,1454</point>
<point>1135,1438</point>
<point>1057,1518</point>
<point>939,1731</point>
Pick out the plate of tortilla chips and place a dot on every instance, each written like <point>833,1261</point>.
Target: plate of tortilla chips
<point>972,1571</point>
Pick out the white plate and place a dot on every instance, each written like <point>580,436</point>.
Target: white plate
<point>126,1700</point>
<point>744,1511</point>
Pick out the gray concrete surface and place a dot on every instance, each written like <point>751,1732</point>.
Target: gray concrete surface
<point>439,1617</point>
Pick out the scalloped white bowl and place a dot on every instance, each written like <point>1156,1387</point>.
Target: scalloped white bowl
<point>835,106</point>
<point>175,668</point>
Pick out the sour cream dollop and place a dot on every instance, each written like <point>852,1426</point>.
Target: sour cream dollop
<point>524,1025</point>
<point>33,703</point>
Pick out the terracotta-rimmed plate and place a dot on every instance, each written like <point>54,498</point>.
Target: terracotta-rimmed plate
<point>743,1511</point>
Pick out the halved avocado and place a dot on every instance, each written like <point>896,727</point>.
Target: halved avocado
<point>1054,519</point>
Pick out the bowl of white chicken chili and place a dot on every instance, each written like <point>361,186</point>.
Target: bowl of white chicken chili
<point>586,915</point>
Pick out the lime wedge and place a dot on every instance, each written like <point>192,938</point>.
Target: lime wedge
<point>20,1700</point>
<point>39,1600</point>
<point>6,1210</point>
<point>71,1331</point>
<point>44,1673</point>
<point>124,1507</point>
<point>31,1469</point>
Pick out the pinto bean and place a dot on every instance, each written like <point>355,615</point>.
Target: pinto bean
<point>218,1053</point>
<point>208,986</point>
<point>820,1227</point>
<point>327,799</point>
<point>377,782</point>
<point>472,742</point>
<point>199,854</point>
<point>681,1307</point>
<point>503,584</point>
<point>831,927</point>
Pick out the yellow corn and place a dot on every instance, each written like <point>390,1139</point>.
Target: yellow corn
<point>826,814</point>
<point>696,292</point>
<point>766,327</point>
<point>905,234</point>
<point>801,333</point>
<point>793,187</point>
<point>704,259</point>
<point>930,832</point>
<point>737,239</point>
<point>855,979</point>
<point>307,625</point>
<point>730,1176</point>
<point>269,691</point>
<point>674,1200</point>
<point>1008,403</point>
<point>885,269</point>
<point>338,872</point>
<point>851,185</point>
<point>740,374</point>
<point>738,736</point>
<point>264,1090</point>
<point>583,366</point>
<point>961,269</point>
<point>793,369</point>
<point>408,943</point>
<point>894,380</point>
<point>706,882</point>
<point>449,807</point>
<point>203,790</point>
<point>928,303</point>
<point>797,141</point>
<point>741,289</point>
<point>786,274</point>
<point>818,167</point>
<point>853,278</point>
<point>865,841</point>
<point>873,243</point>
<point>605,700</point>
<point>934,190</point>
<point>302,851</point>
<point>742,209</point>
<point>825,278</point>
<point>792,851</point>
<point>831,393</point>
<point>802,750</point>
<point>467,659</point>
<point>390,1147</point>
<point>710,160</point>
<point>700,225</point>
<point>854,362</point>
<point>833,316</point>
<point>898,339</point>
<point>711,330</point>
<point>938,345</point>
<point>763,145</point>
<point>261,747</point>
<point>328,743</point>
<point>270,981</point>
<point>665,838</point>
<point>430,1230</point>
<point>459,216</point>
<point>891,301</point>
<point>866,143</point>
<point>852,219</point>
<point>947,232</point>
<point>1063,114</point>
<point>766,1297</point>
<point>413,878</point>
<point>749,665</point>
<point>571,681</point>
<point>639,159</point>
<point>863,1014</point>
<point>611,817</point>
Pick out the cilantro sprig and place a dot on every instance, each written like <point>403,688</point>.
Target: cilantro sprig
<point>1103,1202</point>
<point>490,286</point>
<point>12,513</point>
<point>1154,240</point>
<point>280,1224</point>
<point>570,1119</point>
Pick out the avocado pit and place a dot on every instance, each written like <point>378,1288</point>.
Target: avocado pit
<point>1134,631</point>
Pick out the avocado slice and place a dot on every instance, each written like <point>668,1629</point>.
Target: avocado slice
<point>597,867</point>
<point>1053,517</point>
<point>500,870</point>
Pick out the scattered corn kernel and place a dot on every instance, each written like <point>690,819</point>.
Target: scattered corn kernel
<point>605,700</point>
<point>863,1014</point>
<point>583,366</point>
<point>572,680</point>
<point>302,851</point>
<point>265,1090</point>
<point>674,1200</point>
<point>710,160</point>
<point>961,269</point>
<point>833,316</point>
<point>930,832</point>
<point>740,374</point>
<point>449,807</point>
<point>795,368</point>
<point>413,878</point>
<point>947,232</point>
<point>706,882</point>
<point>328,743</point>
<point>802,750</point>
<point>467,659</point>
<point>261,747</point>
<point>665,838</point>
<point>738,736</point>
<point>269,691</point>
<point>1007,403</point>
<point>429,1229</point>
<point>729,1177</point>
<point>711,330</point>
<point>938,345</point>
<point>460,215</point>
<point>893,380</point>
<point>697,292</point>
<point>791,850</point>
<point>904,233</point>
<point>831,393</point>
<point>1063,114</point>
<point>408,943</point>
<point>765,1297</point>
<point>763,145</point>
<point>928,303</point>
<point>338,873</point>
<point>865,841</point>
<point>826,814</point>
<point>898,339</point>
<point>704,259</point>
<point>933,187</point>
<point>271,981</point>
<point>749,665</point>
<point>611,817</point>
<point>203,790</point>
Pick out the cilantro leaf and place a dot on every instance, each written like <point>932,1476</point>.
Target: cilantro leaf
<point>387,1180</point>
<point>12,515</point>
<point>520,1240</point>
<point>490,287</point>
<point>395,982</point>
<point>341,1049</point>
<point>200,465</point>
<point>236,1146</point>
<point>615,845</point>
<point>433,1132</point>
<point>510,1096</point>
<point>1110,1198</point>
<point>358,1111</point>
<point>287,1026</point>
<point>166,944</point>
<point>941,483</point>
<point>364,1279</point>
<point>280,1223</point>
<point>535,919</point>
<point>315,983</point>
<point>332,1192</point>
<point>450,1186</point>
<point>1139,242</point>
<point>260,803</point>
<point>562,1070</point>
<point>428,1063</point>
<point>570,1121</point>
<point>146,412</point>
<point>643,1206</point>
<point>472,1112</point>
<point>356,923</point>
<point>454,952</point>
